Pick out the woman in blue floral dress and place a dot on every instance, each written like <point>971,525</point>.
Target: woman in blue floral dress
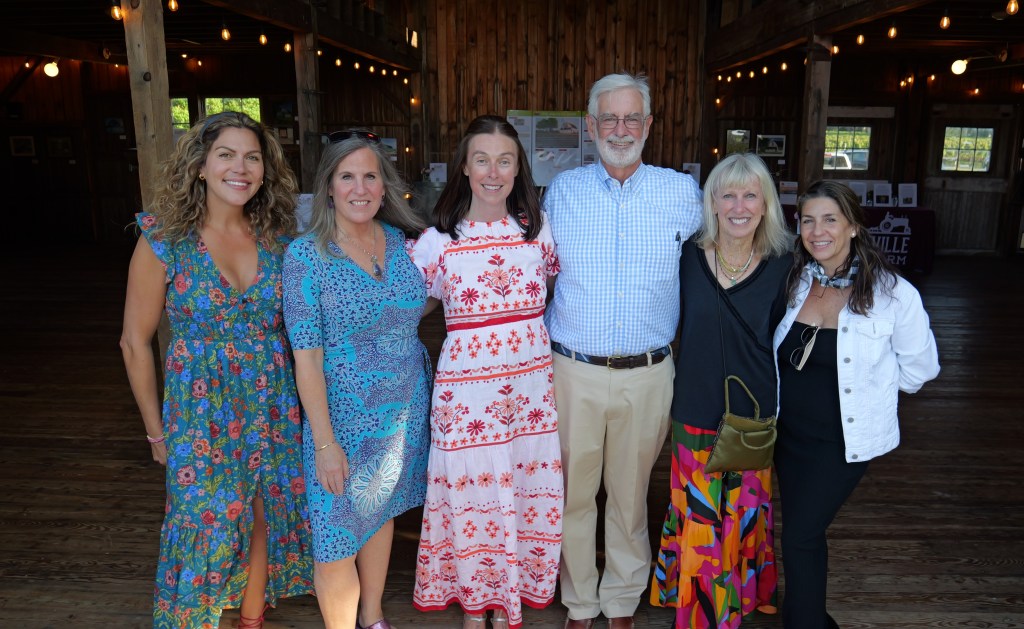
<point>235,532</point>
<point>353,301</point>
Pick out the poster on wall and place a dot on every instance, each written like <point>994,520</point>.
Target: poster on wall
<point>737,141</point>
<point>907,194</point>
<point>557,144</point>
<point>522,121</point>
<point>883,194</point>
<point>771,145</point>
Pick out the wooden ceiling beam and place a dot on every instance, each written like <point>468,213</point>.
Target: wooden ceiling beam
<point>781,24</point>
<point>301,18</point>
<point>22,42</point>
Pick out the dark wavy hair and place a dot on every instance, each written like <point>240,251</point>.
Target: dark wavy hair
<point>180,205</point>
<point>523,203</point>
<point>873,267</point>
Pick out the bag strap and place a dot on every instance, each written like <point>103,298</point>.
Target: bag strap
<point>757,407</point>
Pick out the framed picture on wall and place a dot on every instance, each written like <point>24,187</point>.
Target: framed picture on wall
<point>771,145</point>
<point>737,141</point>
<point>907,194</point>
<point>23,146</point>
<point>59,146</point>
<point>883,194</point>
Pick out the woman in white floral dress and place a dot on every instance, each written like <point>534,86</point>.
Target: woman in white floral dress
<point>492,520</point>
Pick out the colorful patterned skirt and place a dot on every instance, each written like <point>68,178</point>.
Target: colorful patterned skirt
<point>716,563</point>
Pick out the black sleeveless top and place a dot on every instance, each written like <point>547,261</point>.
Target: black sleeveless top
<point>810,397</point>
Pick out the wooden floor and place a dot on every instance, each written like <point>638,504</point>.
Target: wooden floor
<point>933,537</point>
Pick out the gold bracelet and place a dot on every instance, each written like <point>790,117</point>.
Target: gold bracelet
<point>323,447</point>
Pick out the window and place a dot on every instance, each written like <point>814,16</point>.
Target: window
<point>179,114</point>
<point>847,148</point>
<point>248,106</point>
<point>967,149</point>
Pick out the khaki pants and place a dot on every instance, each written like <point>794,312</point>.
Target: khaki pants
<point>615,422</point>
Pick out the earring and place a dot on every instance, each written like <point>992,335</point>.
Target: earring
<point>261,181</point>
<point>202,177</point>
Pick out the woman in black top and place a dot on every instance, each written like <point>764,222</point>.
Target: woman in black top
<point>716,563</point>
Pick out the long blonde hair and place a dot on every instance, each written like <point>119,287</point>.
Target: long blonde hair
<point>180,205</point>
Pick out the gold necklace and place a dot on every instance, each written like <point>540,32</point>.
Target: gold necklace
<point>378,272</point>
<point>731,272</point>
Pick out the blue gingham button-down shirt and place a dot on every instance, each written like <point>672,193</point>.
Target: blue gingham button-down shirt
<point>618,245</point>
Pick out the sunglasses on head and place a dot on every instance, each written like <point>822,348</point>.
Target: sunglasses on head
<point>341,136</point>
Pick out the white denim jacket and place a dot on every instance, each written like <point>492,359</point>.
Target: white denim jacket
<point>890,350</point>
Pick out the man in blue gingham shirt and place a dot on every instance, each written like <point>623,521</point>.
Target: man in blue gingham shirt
<point>618,226</point>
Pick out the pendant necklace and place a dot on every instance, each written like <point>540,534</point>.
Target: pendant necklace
<point>736,272</point>
<point>378,272</point>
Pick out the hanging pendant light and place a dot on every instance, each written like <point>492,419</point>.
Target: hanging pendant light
<point>1012,7</point>
<point>172,5</point>
<point>892,31</point>
<point>115,9</point>
<point>225,34</point>
<point>51,70</point>
<point>263,38</point>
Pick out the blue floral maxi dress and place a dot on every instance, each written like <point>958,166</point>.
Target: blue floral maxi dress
<point>378,386</point>
<point>231,417</point>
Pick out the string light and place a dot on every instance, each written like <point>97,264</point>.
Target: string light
<point>287,46</point>
<point>225,34</point>
<point>892,31</point>
<point>718,101</point>
<point>356,65</point>
<point>764,70</point>
<point>394,73</point>
<point>115,9</point>
<point>860,39</point>
<point>263,38</point>
<point>372,69</point>
<point>172,5</point>
<point>337,62</point>
<point>405,81</point>
<point>1012,7</point>
<point>319,52</point>
<point>51,70</point>
<point>784,66</point>
<point>835,50</point>
<point>944,22</point>
<point>959,66</point>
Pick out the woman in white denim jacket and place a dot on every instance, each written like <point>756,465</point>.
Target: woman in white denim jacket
<point>854,335</point>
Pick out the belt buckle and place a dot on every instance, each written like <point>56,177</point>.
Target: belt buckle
<point>608,364</point>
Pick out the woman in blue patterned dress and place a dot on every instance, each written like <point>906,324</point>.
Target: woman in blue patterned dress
<point>235,533</point>
<point>353,301</point>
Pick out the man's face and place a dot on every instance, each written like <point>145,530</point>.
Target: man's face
<point>620,128</point>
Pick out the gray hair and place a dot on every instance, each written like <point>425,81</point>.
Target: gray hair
<point>772,237</point>
<point>394,210</point>
<point>615,82</point>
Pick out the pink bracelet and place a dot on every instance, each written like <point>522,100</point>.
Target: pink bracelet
<point>152,440</point>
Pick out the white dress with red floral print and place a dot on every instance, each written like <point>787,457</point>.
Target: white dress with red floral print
<point>492,520</point>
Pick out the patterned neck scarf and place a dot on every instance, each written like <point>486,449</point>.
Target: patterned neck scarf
<point>818,273</point>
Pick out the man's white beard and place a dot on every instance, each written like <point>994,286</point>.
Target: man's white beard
<point>617,157</point>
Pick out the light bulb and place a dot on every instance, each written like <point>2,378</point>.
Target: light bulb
<point>892,32</point>
<point>944,22</point>
<point>860,40</point>
<point>51,70</point>
<point>394,73</point>
<point>835,50</point>
<point>959,66</point>
<point>287,46</point>
<point>319,52</point>
<point>784,66</point>
<point>1012,7</point>
<point>172,5</point>
<point>372,69</point>
<point>337,62</point>
<point>356,65</point>
<point>263,39</point>
<point>764,70</point>
<point>405,81</point>
<point>225,34</point>
<point>115,10</point>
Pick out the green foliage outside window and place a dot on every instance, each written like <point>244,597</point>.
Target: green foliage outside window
<point>179,114</point>
<point>967,149</point>
<point>847,147</point>
<point>248,106</point>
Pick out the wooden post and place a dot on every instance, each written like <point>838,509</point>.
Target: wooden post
<point>151,103</point>
<point>307,83</point>
<point>815,119</point>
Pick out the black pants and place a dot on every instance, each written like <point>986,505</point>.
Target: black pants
<point>814,482</point>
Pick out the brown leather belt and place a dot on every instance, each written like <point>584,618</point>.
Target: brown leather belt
<point>647,359</point>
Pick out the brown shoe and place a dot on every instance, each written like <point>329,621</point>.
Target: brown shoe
<point>579,624</point>
<point>625,622</point>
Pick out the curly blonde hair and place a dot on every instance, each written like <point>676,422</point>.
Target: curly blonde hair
<point>180,206</point>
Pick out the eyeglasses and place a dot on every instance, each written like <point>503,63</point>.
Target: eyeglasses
<point>799,356</point>
<point>609,122</point>
<point>341,136</point>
